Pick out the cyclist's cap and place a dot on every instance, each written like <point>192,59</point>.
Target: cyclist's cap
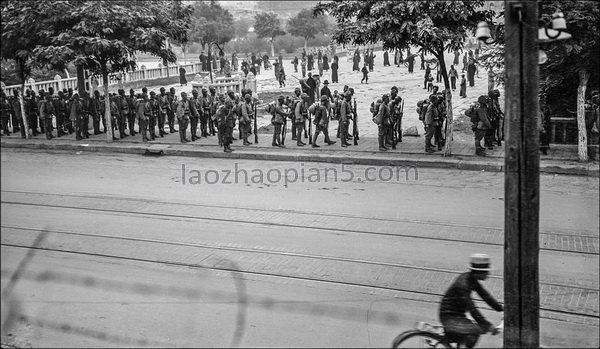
<point>480,262</point>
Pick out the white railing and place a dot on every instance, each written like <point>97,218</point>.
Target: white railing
<point>58,84</point>
<point>234,83</point>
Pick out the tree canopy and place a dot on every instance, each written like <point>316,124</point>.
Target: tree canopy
<point>211,22</point>
<point>306,25</point>
<point>267,25</point>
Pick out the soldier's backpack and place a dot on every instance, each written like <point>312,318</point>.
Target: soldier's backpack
<point>472,114</point>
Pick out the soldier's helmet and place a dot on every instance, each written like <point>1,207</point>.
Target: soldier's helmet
<point>152,94</point>
<point>162,89</point>
<point>385,96</point>
<point>183,94</point>
<point>483,99</point>
<point>121,92</point>
<point>195,92</point>
<point>324,99</point>
<point>304,96</point>
<point>398,99</point>
<point>204,89</point>
<point>394,88</point>
<point>433,98</point>
<point>247,96</point>
<point>280,98</point>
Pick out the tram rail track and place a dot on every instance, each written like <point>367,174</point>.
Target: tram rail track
<point>585,244</point>
<point>384,276</point>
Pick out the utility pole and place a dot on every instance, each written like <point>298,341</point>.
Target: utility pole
<point>521,187</point>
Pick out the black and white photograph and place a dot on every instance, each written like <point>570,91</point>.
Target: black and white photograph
<point>300,174</point>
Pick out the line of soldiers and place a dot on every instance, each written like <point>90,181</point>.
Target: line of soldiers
<point>300,109</point>
<point>387,113</point>
<point>72,113</point>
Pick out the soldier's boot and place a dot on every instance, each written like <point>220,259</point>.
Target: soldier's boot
<point>381,145</point>
<point>131,127</point>
<point>78,135</point>
<point>314,140</point>
<point>161,132</point>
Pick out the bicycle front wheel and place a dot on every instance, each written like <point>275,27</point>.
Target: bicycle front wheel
<point>419,339</point>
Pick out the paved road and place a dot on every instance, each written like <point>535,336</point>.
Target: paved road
<point>134,257</point>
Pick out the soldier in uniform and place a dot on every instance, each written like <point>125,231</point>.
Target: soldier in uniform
<point>142,112</point>
<point>321,121</point>
<point>124,112</point>
<point>163,110</point>
<point>185,110</point>
<point>46,112</point>
<point>496,131</point>
<point>205,115</point>
<point>31,110</point>
<point>301,115</point>
<point>385,123</point>
<point>154,111</point>
<point>213,109</point>
<point>114,114</point>
<point>97,111</point>
<point>279,114</point>
<point>432,125</point>
<point>172,98</point>
<point>346,112</point>
<point>226,121</point>
<point>76,115</point>
<point>483,124</point>
<point>16,108</point>
<point>247,115</point>
<point>194,118</point>
<point>86,116</point>
<point>295,100</point>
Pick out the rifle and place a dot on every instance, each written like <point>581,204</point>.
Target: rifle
<point>255,125</point>
<point>355,125</point>
<point>309,129</point>
<point>397,131</point>
<point>283,129</point>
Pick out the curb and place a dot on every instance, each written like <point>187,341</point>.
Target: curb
<point>408,161</point>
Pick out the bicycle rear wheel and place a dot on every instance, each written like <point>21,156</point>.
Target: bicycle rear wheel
<point>419,339</point>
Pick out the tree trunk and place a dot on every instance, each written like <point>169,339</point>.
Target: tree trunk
<point>272,48</point>
<point>80,79</point>
<point>305,43</point>
<point>107,115</point>
<point>448,97</point>
<point>582,139</point>
<point>23,116</point>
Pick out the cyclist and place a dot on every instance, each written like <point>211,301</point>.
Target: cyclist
<point>457,301</point>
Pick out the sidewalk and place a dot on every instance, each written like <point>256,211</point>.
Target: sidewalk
<point>560,159</point>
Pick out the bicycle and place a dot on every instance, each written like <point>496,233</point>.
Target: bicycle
<point>426,335</point>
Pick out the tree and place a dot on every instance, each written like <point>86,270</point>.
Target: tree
<point>267,25</point>
<point>571,64</point>
<point>241,26</point>
<point>103,36</point>
<point>434,26</point>
<point>306,25</point>
<point>211,23</point>
<point>21,34</point>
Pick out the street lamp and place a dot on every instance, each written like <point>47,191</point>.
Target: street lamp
<point>555,30</point>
